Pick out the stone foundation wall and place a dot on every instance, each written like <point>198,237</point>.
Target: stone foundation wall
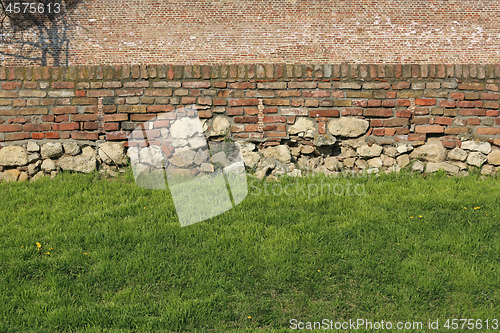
<point>288,118</point>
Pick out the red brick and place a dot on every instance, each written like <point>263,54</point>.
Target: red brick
<point>447,104</point>
<point>322,127</point>
<point>315,93</point>
<point>465,104</point>
<point>449,144</point>
<point>403,113</point>
<point>374,103</point>
<point>30,85</point>
<point>129,92</point>
<point>86,136</point>
<point>390,131</point>
<point>65,127</point>
<point>456,130</point>
<point>63,85</point>
<point>251,128</point>
<point>473,121</point>
<point>219,101</point>
<point>79,93</point>
<point>429,129</point>
<point>16,120</point>
<point>241,85</point>
<point>93,117</point>
<point>401,85</point>
<point>388,104</point>
<point>111,127</point>
<point>378,131</point>
<point>324,113</point>
<point>188,100</point>
<point>472,112</point>
<point>246,119</point>
<point>425,101</point>
<point>488,131</point>
<point>142,117</point>
<point>158,92</point>
<point>457,96</point>
<point>275,135</point>
<point>490,96</point>
<point>63,109</point>
<point>244,102</point>
<point>395,122</point>
<point>160,108</point>
<point>251,111</point>
<point>274,119</point>
<point>204,114</point>
<point>52,135</point>
<point>36,127</point>
<point>416,137</point>
<point>90,126</point>
<point>421,111</point>
<point>196,84</point>
<point>37,136</point>
<point>10,85</point>
<point>492,113</point>
<point>403,102</point>
<point>106,118</point>
<point>377,112</point>
<point>234,111</point>
<point>62,118</point>
<point>443,120</point>
<point>11,128</point>
<point>376,123</point>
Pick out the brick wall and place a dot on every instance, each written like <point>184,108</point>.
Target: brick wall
<point>403,103</point>
<point>278,31</point>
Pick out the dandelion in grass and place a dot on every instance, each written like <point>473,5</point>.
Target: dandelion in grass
<point>48,253</point>
<point>38,245</point>
<point>476,208</point>
<point>249,317</point>
<point>420,216</point>
<point>465,207</point>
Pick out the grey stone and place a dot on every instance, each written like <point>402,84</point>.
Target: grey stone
<point>280,153</point>
<point>48,165</point>
<point>183,158</point>
<point>251,158</point>
<point>13,156</point>
<point>476,159</point>
<point>152,155</point>
<point>483,147</point>
<point>307,149</point>
<point>369,151</point>
<point>33,147</point>
<point>417,166</point>
<point>34,168</point>
<point>432,151</point>
<point>185,127</point>
<point>245,146</point>
<point>332,163</point>
<point>207,167</point>
<point>197,142</point>
<point>113,153</point>
<point>403,160</point>
<point>38,176</point>
<point>33,157</point>
<point>390,151</point>
<point>265,166</point>
<point>86,162</point>
<point>52,150</point>
<point>389,161</point>
<point>324,140</point>
<point>487,169</point>
<point>450,168</point>
<point>349,127</point>
<point>457,154</point>
<point>11,175</point>
<point>303,127</point>
<point>375,162</point>
<point>494,157</point>
<point>220,126</point>
<point>404,148</point>
<point>23,176</point>
<point>71,148</point>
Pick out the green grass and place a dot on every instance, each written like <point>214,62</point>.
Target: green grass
<point>403,250</point>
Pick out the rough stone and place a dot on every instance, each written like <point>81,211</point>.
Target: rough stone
<point>33,157</point>
<point>13,156</point>
<point>450,168</point>
<point>183,158</point>
<point>367,151</point>
<point>207,167</point>
<point>250,158</point>
<point>332,163</point>
<point>476,159</point>
<point>11,175</point>
<point>307,149</point>
<point>23,176</point>
<point>38,176</point>
<point>185,127</point>
<point>457,154</point>
<point>48,165</point>
<point>245,146</point>
<point>32,147</point>
<point>112,153</point>
<point>432,151</point>
<point>390,151</point>
<point>487,169</point>
<point>303,127</point>
<point>266,165</point>
<point>201,156</point>
<point>483,147</point>
<point>389,161</point>
<point>349,127</point>
<point>418,166</point>
<point>52,150</point>
<point>86,162</point>
<point>280,153</point>
<point>403,160</point>
<point>220,126</point>
<point>362,164</point>
<point>375,162</point>
<point>404,148</point>
<point>494,157</point>
<point>152,155</point>
<point>324,140</point>
<point>34,168</point>
<point>197,142</point>
<point>71,148</point>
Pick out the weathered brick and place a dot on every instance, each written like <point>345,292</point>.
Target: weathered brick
<point>274,119</point>
<point>471,86</point>
<point>246,119</point>
<point>377,112</point>
<point>271,85</point>
<point>65,127</point>
<point>443,120</point>
<point>11,128</point>
<point>376,85</point>
<point>395,122</point>
<point>16,136</point>
<point>63,85</point>
<point>488,130</point>
<point>36,127</point>
<point>132,108</point>
<point>92,117</point>
<point>472,112</point>
<point>196,84</point>
<point>490,96</point>
<point>63,109</point>
<point>86,136</point>
<point>158,92</point>
<point>324,113</point>
<point>160,108</point>
<point>425,101</point>
<point>244,102</point>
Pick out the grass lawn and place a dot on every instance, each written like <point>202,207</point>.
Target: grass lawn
<point>401,247</point>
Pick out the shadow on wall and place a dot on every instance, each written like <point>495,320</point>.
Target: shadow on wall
<point>37,30</point>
